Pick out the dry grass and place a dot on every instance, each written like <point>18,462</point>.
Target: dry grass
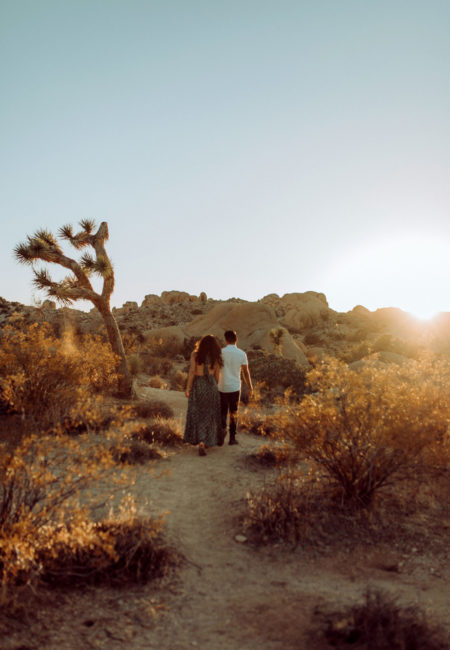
<point>178,380</point>
<point>306,510</point>
<point>163,431</point>
<point>254,420</point>
<point>152,409</point>
<point>271,456</point>
<point>380,623</point>
<point>158,382</point>
<point>133,451</point>
<point>115,551</point>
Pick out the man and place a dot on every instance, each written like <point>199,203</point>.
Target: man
<point>234,360</point>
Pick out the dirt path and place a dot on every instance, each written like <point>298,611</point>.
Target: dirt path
<point>228,595</point>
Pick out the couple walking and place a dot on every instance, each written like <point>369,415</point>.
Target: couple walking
<point>213,390</point>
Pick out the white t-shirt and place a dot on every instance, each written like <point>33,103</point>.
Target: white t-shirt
<point>230,377</point>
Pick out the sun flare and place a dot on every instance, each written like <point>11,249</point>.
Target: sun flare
<point>410,272</point>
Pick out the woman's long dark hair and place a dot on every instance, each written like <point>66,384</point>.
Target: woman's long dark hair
<point>208,346</point>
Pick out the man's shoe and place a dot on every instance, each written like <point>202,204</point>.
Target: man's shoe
<point>233,441</point>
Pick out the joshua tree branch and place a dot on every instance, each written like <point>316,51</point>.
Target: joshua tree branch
<point>43,246</point>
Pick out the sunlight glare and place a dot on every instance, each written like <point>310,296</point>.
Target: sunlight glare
<point>409,272</point>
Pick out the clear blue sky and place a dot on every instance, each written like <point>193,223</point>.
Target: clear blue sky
<point>239,148</point>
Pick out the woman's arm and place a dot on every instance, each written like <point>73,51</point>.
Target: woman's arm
<point>191,374</point>
<point>216,372</point>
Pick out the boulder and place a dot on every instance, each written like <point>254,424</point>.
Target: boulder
<point>303,310</point>
<point>48,304</point>
<point>177,297</point>
<point>130,305</point>
<point>253,323</point>
<point>271,299</point>
<point>151,300</point>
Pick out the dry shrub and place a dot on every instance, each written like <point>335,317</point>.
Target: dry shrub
<point>158,382</point>
<point>47,536</point>
<point>152,365</point>
<point>277,373</point>
<point>152,409</point>
<point>375,427</point>
<point>270,457</point>
<point>275,514</point>
<point>135,364</point>
<point>273,456</point>
<point>164,347</point>
<point>306,510</point>
<point>134,452</point>
<point>178,380</point>
<point>40,485</point>
<point>380,623</point>
<point>164,431</point>
<point>116,551</point>
<point>46,379</point>
<point>254,421</point>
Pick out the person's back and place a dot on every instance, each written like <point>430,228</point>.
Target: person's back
<point>234,362</point>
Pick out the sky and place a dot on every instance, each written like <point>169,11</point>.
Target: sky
<point>239,148</point>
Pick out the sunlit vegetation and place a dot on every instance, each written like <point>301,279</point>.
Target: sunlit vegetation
<point>50,382</point>
<point>358,438</point>
<point>63,521</point>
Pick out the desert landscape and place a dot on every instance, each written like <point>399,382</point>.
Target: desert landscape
<point>173,173</point>
<point>263,544</point>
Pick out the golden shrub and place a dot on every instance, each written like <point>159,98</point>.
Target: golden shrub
<point>44,378</point>
<point>370,428</point>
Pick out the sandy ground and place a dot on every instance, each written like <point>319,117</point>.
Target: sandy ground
<point>227,594</point>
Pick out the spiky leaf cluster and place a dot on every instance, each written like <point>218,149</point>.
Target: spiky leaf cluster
<point>43,245</point>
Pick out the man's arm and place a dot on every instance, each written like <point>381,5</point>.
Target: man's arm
<point>247,379</point>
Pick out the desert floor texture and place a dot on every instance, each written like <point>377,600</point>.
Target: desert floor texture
<point>227,594</point>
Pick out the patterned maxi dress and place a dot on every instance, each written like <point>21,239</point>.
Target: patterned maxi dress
<point>203,423</point>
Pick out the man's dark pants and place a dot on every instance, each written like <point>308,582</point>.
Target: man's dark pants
<point>229,403</point>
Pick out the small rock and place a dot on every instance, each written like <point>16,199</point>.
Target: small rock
<point>240,538</point>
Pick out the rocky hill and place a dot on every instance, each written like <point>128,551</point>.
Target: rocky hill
<point>297,326</point>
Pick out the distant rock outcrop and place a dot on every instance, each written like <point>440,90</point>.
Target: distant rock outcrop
<point>296,326</point>
<point>254,324</point>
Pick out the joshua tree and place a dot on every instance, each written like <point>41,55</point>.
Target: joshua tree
<point>43,245</point>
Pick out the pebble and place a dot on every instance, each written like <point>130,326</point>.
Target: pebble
<point>240,538</point>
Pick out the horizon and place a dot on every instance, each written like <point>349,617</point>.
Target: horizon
<point>86,306</point>
<point>237,150</point>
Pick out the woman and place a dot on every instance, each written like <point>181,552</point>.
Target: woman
<point>203,425</point>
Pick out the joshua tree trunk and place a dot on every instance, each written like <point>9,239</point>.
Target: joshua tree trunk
<point>115,340</point>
